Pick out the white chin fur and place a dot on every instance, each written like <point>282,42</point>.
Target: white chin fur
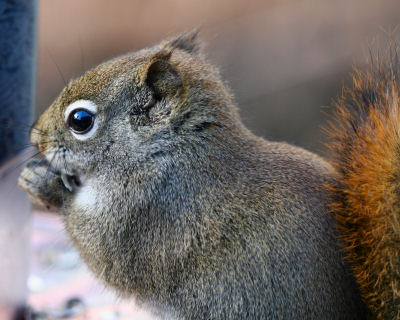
<point>87,199</point>
<point>88,105</point>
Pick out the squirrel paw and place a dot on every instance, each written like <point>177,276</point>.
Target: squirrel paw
<point>42,183</point>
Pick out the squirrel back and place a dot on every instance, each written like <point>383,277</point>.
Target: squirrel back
<point>366,192</point>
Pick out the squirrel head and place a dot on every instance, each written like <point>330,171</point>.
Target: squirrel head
<point>131,139</point>
<point>133,109</point>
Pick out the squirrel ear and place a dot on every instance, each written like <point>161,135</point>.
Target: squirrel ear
<point>186,41</point>
<point>160,75</point>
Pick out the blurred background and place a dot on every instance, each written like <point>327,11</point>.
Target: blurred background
<point>283,59</point>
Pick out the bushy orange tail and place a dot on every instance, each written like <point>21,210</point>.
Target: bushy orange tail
<point>366,197</point>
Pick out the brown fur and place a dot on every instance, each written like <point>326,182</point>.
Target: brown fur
<point>366,195</point>
<point>183,207</point>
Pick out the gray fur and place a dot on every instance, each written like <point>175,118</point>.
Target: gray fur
<point>184,208</point>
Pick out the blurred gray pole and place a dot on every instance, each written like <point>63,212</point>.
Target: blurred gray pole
<point>17,66</point>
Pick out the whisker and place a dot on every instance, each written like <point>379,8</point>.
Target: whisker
<point>24,128</point>
<point>42,134</point>
<point>25,148</point>
<point>58,160</point>
<point>37,129</point>
<point>50,164</point>
<point>24,162</point>
<point>11,121</point>
<point>66,170</point>
<point>57,66</point>
<point>81,52</point>
<point>29,145</point>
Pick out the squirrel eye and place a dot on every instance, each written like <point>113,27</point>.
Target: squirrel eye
<point>81,118</point>
<point>80,121</point>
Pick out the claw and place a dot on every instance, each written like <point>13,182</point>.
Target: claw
<point>71,182</point>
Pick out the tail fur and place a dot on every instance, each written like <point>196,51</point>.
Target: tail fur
<point>365,137</point>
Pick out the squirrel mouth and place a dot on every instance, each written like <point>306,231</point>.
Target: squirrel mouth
<point>70,181</point>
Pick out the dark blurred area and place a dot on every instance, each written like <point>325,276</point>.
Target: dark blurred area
<point>283,59</point>
<point>17,59</point>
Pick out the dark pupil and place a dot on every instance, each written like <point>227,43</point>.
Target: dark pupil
<point>81,121</point>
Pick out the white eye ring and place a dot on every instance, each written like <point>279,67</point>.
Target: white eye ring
<point>82,105</point>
